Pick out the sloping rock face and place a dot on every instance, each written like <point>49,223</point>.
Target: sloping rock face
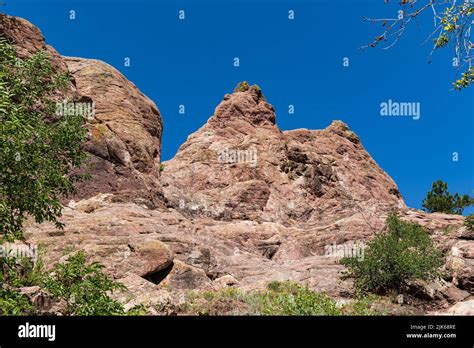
<point>241,166</point>
<point>125,130</point>
<point>124,135</point>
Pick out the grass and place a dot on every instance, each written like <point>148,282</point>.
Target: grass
<point>279,298</point>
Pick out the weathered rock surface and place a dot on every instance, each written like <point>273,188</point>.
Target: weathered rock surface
<point>241,166</point>
<point>246,203</point>
<point>28,39</point>
<point>124,134</point>
<point>254,242</point>
<point>460,308</point>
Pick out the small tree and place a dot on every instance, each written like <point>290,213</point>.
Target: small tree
<point>37,148</point>
<point>402,253</point>
<point>440,200</point>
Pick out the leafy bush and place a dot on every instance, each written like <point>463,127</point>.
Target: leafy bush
<point>13,302</point>
<point>37,148</point>
<point>83,287</point>
<point>440,200</point>
<point>16,273</point>
<point>402,253</point>
<point>19,272</point>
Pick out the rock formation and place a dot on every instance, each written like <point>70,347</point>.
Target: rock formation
<point>125,133</point>
<point>241,204</point>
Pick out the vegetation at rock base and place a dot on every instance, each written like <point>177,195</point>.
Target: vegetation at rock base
<point>440,200</point>
<point>81,286</point>
<point>280,298</point>
<point>469,222</point>
<point>14,274</point>
<point>37,148</point>
<point>401,253</point>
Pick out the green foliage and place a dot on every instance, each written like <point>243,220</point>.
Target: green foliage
<point>466,79</point>
<point>12,275</point>
<point>14,303</point>
<point>37,148</point>
<point>452,28</point>
<point>455,27</point>
<point>16,273</point>
<point>280,298</point>
<point>83,287</point>
<point>440,200</point>
<point>469,222</point>
<point>162,167</point>
<point>287,298</point>
<point>402,253</point>
<point>242,86</point>
<point>20,272</point>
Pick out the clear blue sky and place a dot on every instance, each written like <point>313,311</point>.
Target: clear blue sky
<point>295,62</point>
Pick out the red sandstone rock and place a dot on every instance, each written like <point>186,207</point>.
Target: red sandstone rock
<point>247,203</point>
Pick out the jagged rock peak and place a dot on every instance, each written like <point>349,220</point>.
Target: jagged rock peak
<point>246,103</point>
<point>342,129</point>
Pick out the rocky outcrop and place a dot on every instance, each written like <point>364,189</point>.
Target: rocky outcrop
<point>124,134</point>
<point>28,39</point>
<point>125,130</point>
<point>234,222</point>
<point>241,204</point>
<point>239,165</point>
<point>461,308</point>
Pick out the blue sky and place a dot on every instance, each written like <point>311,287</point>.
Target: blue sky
<point>298,62</point>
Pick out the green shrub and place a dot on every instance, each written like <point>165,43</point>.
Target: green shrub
<point>242,86</point>
<point>440,200</point>
<point>280,298</point>
<point>287,298</point>
<point>14,303</point>
<point>83,287</point>
<point>14,274</point>
<point>402,253</point>
<point>37,148</point>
